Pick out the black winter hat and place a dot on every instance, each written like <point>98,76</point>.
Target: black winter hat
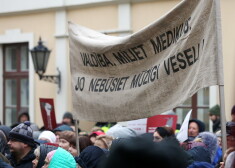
<point>200,124</point>
<point>68,115</point>
<point>44,150</point>
<point>23,133</point>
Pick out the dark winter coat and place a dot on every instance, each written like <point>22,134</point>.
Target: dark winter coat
<point>200,154</point>
<point>26,162</point>
<point>4,164</point>
<point>44,150</point>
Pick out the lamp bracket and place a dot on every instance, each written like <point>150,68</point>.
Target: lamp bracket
<point>52,78</point>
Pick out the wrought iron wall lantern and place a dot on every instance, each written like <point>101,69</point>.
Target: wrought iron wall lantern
<point>40,56</point>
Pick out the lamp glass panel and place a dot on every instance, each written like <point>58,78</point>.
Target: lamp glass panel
<point>40,60</point>
<point>46,60</point>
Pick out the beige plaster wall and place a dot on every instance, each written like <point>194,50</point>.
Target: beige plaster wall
<point>97,18</point>
<point>40,24</point>
<point>228,33</point>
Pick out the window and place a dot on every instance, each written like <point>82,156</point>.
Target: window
<point>15,81</point>
<point>199,103</point>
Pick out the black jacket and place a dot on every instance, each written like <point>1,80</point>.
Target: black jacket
<point>26,162</point>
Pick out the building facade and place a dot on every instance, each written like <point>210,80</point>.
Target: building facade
<point>23,22</point>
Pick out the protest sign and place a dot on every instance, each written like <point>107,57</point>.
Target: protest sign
<point>148,72</point>
<point>48,113</point>
<point>148,125</point>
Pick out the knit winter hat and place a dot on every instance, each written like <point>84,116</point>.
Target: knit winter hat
<point>23,133</point>
<point>215,110</point>
<point>62,159</point>
<point>63,127</point>
<point>118,131</point>
<point>44,150</point>
<point>48,135</point>
<point>68,115</point>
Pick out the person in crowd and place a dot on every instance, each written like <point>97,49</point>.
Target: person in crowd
<point>84,141</point>
<point>214,114</point>
<point>68,119</point>
<point>47,136</point>
<point>5,129</point>
<point>4,149</point>
<point>40,153</point>
<point>229,158</point>
<point>58,130</point>
<point>4,164</point>
<point>162,132</point>
<point>118,131</point>
<point>210,141</point>
<point>204,147</point>
<point>59,158</point>
<point>194,128</point>
<point>67,138</point>
<point>230,131</point>
<point>219,152</point>
<point>93,135</point>
<point>91,157</point>
<point>104,125</point>
<point>22,145</point>
<point>140,152</point>
<point>103,141</point>
<point>233,114</point>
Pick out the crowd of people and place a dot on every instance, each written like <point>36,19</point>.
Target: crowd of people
<point>26,146</point>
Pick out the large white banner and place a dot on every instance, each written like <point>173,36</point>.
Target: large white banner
<point>150,71</point>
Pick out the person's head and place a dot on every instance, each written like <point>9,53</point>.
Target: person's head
<point>233,113</point>
<point>84,141</point>
<point>118,131</point>
<point>214,112</point>
<point>40,155</point>
<point>68,119</point>
<point>139,152</point>
<point>91,157</point>
<point>219,138</point>
<point>67,138</point>
<point>47,136</point>
<point>210,141</point>
<point>162,132</point>
<point>59,158</point>
<point>4,149</point>
<point>93,135</point>
<point>195,127</point>
<point>230,131</point>
<point>103,141</point>
<point>21,139</point>
<point>23,116</point>
<point>58,130</point>
<point>48,159</point>
<point>5,129</point>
